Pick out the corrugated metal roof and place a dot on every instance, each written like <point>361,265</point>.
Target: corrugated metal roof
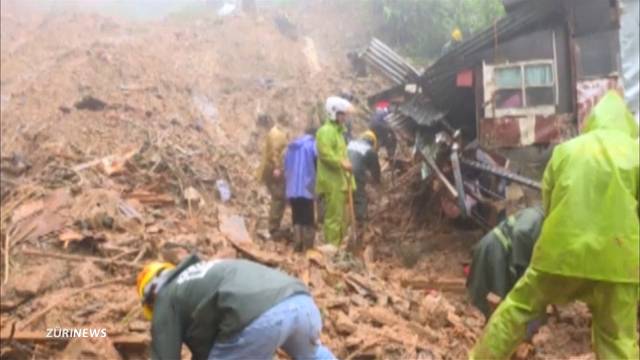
<point>402,123</point>
<point>389,63</point>
<point>421,110</point>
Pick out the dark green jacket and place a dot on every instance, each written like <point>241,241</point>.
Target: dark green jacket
<point>203,302</point>
<point>364,159</point>
<point>502,256</point>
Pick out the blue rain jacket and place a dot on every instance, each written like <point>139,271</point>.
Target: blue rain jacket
<point>300,167</point>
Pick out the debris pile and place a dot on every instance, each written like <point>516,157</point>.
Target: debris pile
<point>124,142</point>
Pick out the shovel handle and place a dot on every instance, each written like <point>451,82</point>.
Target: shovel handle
<point>352,212</point>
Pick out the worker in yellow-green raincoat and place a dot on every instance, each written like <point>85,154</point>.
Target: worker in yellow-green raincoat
<point>334,169</point>
<point>588,246</point>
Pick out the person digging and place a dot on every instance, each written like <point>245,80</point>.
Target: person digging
<point>228,309</point>
<point>500,259</point>
<point>364,160</point>
<point>588,247</point>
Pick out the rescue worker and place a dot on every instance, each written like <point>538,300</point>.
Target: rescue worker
<point>300,175</point>
<point>364,160</point>
<point>271,174</point>
<point>381,127</point>
<point>502,256</point>
<point>348,123</point>
<point>334,169</point>
<point>456,35</point>
<point>588,246</point>
<point>456,38</point>
<point>228,309</point>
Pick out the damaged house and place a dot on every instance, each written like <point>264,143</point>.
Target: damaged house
<point>521,85</point>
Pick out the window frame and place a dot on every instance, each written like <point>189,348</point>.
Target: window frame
<point>490,88</point>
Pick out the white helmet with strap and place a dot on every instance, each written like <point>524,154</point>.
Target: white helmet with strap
<point>336,104</point>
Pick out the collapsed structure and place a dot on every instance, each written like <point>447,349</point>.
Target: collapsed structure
<point>110,158</point>
<point>516,88</point>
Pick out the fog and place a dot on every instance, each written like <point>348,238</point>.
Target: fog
<point>131,9</point>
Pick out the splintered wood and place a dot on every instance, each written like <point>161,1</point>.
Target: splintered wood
<point>111,159</point>
<point>442,284</point>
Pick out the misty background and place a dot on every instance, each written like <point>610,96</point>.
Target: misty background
<point>416,28</point>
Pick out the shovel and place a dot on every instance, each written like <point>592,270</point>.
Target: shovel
<point>353,243</point>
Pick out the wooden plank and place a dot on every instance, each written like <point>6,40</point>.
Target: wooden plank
<point>442,284</point>
<point>360,284</point>
<point>252,253</point>
<point>81,258</point>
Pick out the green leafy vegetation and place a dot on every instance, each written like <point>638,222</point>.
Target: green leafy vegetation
<point>420,28</point>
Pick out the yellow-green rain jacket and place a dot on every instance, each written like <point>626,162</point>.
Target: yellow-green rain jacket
<point>332,150</point>
<point>590,195</point>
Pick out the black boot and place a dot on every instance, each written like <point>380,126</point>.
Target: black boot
<point>309,237</point>
<point>298,238</point>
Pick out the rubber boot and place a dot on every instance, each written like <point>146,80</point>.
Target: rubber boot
<point>309,237</point>
<point>298,238</point>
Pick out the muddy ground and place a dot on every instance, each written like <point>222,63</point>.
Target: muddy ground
<point>120,140</point>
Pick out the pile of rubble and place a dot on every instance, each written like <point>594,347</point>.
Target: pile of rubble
<point>125,142</point>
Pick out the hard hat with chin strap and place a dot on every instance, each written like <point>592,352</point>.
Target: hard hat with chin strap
<point>335,105</point>
<point>145,278</point>
<point>371,137</point>
<point>456,34</point>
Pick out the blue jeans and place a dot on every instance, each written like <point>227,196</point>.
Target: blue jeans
<point>294,324</point>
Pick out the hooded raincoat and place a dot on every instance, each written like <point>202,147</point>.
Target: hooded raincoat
<point>590,194</point>
<point>588,246</point>
<point>300,168</point>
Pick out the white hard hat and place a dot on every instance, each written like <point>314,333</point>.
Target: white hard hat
<point>335,105</point>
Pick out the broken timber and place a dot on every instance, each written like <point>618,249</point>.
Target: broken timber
<point>81,258</point>
<point>35,317</point>
<point>442,284</point>
<point>257,255</point>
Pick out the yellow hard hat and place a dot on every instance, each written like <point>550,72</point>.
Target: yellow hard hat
<point>145,276</point>
<point>371,136</point>
<point>456,34</point>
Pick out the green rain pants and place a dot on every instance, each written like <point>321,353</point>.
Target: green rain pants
<point>335,223</point>
<point>613,307</point>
